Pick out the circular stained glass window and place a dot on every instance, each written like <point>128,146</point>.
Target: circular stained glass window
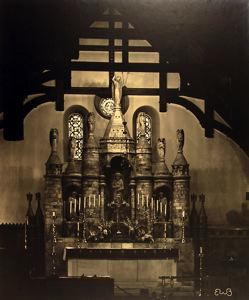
<point>106,106</point>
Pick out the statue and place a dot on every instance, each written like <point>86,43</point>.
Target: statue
<point>141,123</point>
<point>117,90</point>
<point>180,140</point>
<point>161,148</point>
<point>53,137</point>
<point>91,122</point>
<point>72,148</point>
<point>118,188</point>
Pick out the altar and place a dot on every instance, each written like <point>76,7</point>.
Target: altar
<point>117,212</point>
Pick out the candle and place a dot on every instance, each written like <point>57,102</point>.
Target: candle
<point>84,202</point>
<point>161,207</point>
<point>147,201</point>
<point>201,250</point>
<point>183,213</point>
<point>53,213</point>
<point>152,204</point>
<point>157,205</point>
<point>70,207</point>
<point>165,209</point>
<point>93,200</point>
<point>79,203</point>
<point>78,226</point>
<point>99,200</point>
<point>137,199</point>
<point>75,205</point>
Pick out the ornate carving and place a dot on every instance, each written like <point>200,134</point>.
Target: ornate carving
<point>53,138</point>
<point>161,149</point>
<point>91,122</point>
<point>72,148</point>
<point>117,90</point>
<point>141,123</point>
<point>180,140</point>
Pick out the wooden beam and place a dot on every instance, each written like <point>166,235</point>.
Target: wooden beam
<point>116,48</point>
<point>132,67</point>
<point>118,33</point>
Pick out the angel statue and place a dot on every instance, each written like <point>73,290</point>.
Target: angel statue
<point>72,148</point>
<point>117,90</point>
<point>180,140</point>
<point>141,123</point>
<point>91,122</point>
<point>53,137</point>
<point>161,149</point>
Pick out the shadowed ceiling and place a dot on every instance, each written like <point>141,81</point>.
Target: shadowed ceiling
<point>205,41</point>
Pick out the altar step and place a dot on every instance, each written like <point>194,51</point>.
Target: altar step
<point>148,288</point>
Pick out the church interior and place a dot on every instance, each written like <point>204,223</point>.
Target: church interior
<point>124,149</point>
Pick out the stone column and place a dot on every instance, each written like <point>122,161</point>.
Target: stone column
<point>102,196</point>
<point>181,180</point>
<point>133,207</point>
<point>53,198</point>
<point>91,166</point>
<point>143,178</point>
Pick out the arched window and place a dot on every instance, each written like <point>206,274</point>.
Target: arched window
<point>76,130</point>
<point>148,126</point>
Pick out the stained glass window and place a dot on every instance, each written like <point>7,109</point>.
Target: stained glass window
<point>147,126</point>
<point>76,131</point>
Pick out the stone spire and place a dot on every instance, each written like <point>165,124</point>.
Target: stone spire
<point>53,164</point>
<point>91,150</point>
<point>117,125</point>
<point>117,138</point>
<point>161,167</point>
<point>180,159</point>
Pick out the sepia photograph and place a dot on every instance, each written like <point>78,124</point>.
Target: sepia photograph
<point>124,149</point>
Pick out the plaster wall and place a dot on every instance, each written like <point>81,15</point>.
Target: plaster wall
<point>218,167</point>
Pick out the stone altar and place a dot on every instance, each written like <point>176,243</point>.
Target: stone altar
<point>112,197</point>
